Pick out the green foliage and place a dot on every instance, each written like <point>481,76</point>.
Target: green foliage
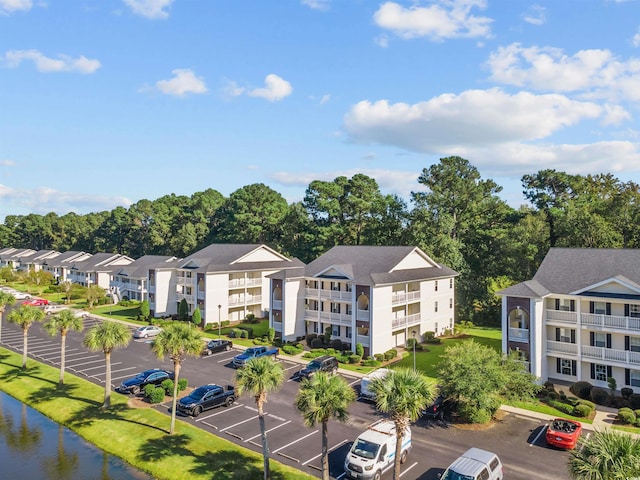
<point>182,384</point>
<point>371,362</point>
<point>587,403</point>
<point>355,358</point>
<point>236,333</point>
<point>271,334</point>
<point>167,385</point>
<point>183,310</point>
<point>390,354</point>
<point>411,342</point>
<point>327,335</point>
<point>309,338</point>
<point>196,318</point>
<point>634,401</point>
<point>251,318</point>
<point>225,323</point>
<point>360,350</point>
<point>145,310</point>
<point>317,342</point>
<point>157,394</point>
<point>291,349</point>
<point>626,392</point>
<point>148,389</point>
<point>626,415</point>
<point>562,406</point>
<point>581,389</point>
<point>600,396</point>
<point>606,454</point>
<point>582,411</point>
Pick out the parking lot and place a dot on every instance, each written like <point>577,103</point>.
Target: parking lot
<point>519,441</point>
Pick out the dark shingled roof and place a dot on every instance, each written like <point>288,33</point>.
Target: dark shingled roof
<point>569,270</point>
<point>140,268</point>
<point>223,257</point>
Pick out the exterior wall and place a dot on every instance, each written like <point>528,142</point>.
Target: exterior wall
<point>164,293</point>
<point>216,293</point>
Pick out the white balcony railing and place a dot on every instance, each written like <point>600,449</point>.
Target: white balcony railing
<point>311,292</point>
<point>562,316</point>
<point>336,318</point>
<point>336,295</point>
<point>277,326</point>
<point>276,304</point>
<point>562,347</point>
<point>312,315</point>
<point>363,315</point>
<point>403,322</point>
<point>188,298</point>
<point>245,282</point>
<point>610,321</point>
<point>609,354</point>
<point>244,299</point>
<point>405,297</point>
<point>519,335</point>
<point>363,339</point>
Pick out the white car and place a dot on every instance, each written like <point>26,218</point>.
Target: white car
<point>146,331</point>
<point>49,309</point>
<point>81,314</point>
<point>20,295</point>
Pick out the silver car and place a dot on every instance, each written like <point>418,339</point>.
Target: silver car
<point>146,331</point>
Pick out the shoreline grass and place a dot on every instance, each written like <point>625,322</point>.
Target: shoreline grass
<point>139,436</point>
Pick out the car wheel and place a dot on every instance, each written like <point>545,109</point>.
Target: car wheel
<point>135,390</point>
<point>208,352</point>
<point>227,348</point>
<point>146,335</point>
<point>334,371</point>
<point>229,401</point>
<point>197,411</point>
<point>403,457</point>
<point>377,476</point>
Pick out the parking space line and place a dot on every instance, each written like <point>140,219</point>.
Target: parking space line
<point>66,353</point>
<point>341,475</point>
<point>402,473</point>
<point>37,351</point>
<point>355,381</point>
<point>295,441</point>
<point>239,423</point>
<point>328,451</point>
<point>544,429</point>
<point>218,413</point>
<point>93,368</point>
<point>86,363</point>
<point>226,359</point>
<point>271,429</point>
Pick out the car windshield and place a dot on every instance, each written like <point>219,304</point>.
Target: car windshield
<point>214,343</point>
<point>314,366</point>
<point>141,376</point>
<point>365,449</point>
<point>198,393</point>
<point>451,475</point>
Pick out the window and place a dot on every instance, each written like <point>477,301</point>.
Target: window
<point>349,309</point>
<point>634,344</point>
<point>600,308</point>
<point>436,306</point>
<point>484,474</point>
<point>601,372</point>
<point>600,340</point>
<point>335,307</point>
<point>335,286</point>
<point>435,328</point>
<point>634,311</point>
<point>565,366</point>
<point>634,378</point>
<point>564,305</point>
<point>348,332</point>
<point>451,283</point>
<point>451,303</point>
<point>565,335</point>
<point>335,330</point>
<point>436,285</point>
<point>348,288</point>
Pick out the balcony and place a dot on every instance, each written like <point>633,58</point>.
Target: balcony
<point>277,326</point>
<point>276,304</point>
<point>244,300</point>
<point>187,297</point>
<point>311,292</point>
<point>336,295</point>
<point>405,297</point>
<point>184,280</point>
<point>245,282</point>
<point>592,320</point>
<point>312,315</point>
<point>608,354</point>
<point>519,335</point>
<point>363,339</point>
<point>562,316</point>
<point>562,347</point>
<point>404,322</point>
<point>363,315</point>
<point>336,318</point>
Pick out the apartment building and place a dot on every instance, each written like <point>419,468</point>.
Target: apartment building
<point>60,265</point>
<point>14,257</point>
<point>224,281</point>
<point>374,295</point>
<point>131,281</point>
<point>96,269</point>
<point>579,317</point>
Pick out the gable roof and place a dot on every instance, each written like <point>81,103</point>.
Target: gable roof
<point>102,262</point>
<point>376,265</point>
<point>65,257</point>
<point>140,268</point>
<point>570,271</point>
<point>225,257</point>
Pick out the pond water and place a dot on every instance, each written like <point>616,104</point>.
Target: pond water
<point>34,447</point>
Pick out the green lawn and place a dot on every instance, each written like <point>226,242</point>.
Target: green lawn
<point>137,435</point>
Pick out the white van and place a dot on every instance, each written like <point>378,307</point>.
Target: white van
<point>474,464</point>
<point>374,451</point>
<point>365,393</point>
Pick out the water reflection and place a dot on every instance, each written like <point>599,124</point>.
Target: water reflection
<point>32,446</point>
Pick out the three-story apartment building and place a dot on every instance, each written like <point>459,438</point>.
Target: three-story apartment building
<point>579,317</point>
<point>373,295</point>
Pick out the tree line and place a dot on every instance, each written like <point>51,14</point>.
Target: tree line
<point>454,215</point>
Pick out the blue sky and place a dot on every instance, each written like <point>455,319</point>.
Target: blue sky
<point>106,102</point>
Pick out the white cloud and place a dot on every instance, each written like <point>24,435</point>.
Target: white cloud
<point>9,6</point>
<point>232,89</point>
<point>63,63</point>
<point>317,4</point>
<point>475,117</point>
<point>275,89</point>
<point>536,15</point>
<point>441,20</point>
<point>43,200</point>
<point>152,9</point>
<point>593,73</point>
<point>183,83</point>
<point>7,163</point>
<point>636,39</point>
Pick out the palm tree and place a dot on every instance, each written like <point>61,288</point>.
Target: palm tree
<point>25,316</point>
<point>177,340</point>
<point>106,337</point>
<point>260,376</point>
<point>6,299</point>
<point>62,323</point>
<point>403,393</point>
<point>320,398</point>
<point>606,455</point>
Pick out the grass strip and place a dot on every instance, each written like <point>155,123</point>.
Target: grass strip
<point>137,435</point>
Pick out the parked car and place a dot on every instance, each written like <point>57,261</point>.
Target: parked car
<point>325,363</point>
<point>215,346</point>
<point>475,464</point>
<point>440,408</point>
<point>20,295</point>
<point>154,376</point>
<point>206,397</point>
<point>53,308</point>
<point>146,331</point>
<point>241,359</point>
<point>81,314</point>
<point>563,433</point>
<point>36,302</point>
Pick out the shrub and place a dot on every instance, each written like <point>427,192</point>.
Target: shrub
<point>371,362</point>
<point>244,334</point>
<point>360,350</point>
<point>316,343</point>
<point>634,401</point>
<point>291,349</point>
<point>182,384</point>
<point>379,357</point>
<point>549,386</point>
<point>581,389</point>
<point>251,318</point>
<point>561,406</point>
<point>599,395</point>
<point>248,332</point>
<point>588,403</point>
<point>225,323</point>
<point>390,354</point>
<point>582,411</point>
<point>156,395</point>
<point>553,395</point>
<point>167,386</point>
<point>271,334</point>
<point>411,342</point>
<point>327,334</point>
<point>336,344</point>
<point>626,415</point>
<point>148,388</point>
<point>626,392</point>
<point>637,412</point>
<point>354,358</point>
<point>572,400</point>
<point>310,338</point>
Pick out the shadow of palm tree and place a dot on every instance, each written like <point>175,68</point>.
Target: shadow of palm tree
<point>52,391</point>
<point>16,372</point>
<point>93,412</point>
<point>159,448</point>
<point>230,464</point>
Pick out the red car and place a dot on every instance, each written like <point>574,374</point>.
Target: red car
<point>563,433</point>
<point>36,302</point>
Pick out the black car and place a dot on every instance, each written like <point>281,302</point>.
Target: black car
<point>155,377</point>
<point>215,346</point>
<point>206,397</point>
<point>440,408</point>
<point>325,363</point>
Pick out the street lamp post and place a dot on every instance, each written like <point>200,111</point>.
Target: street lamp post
<point>219,323</point>
<point>413,332</point>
